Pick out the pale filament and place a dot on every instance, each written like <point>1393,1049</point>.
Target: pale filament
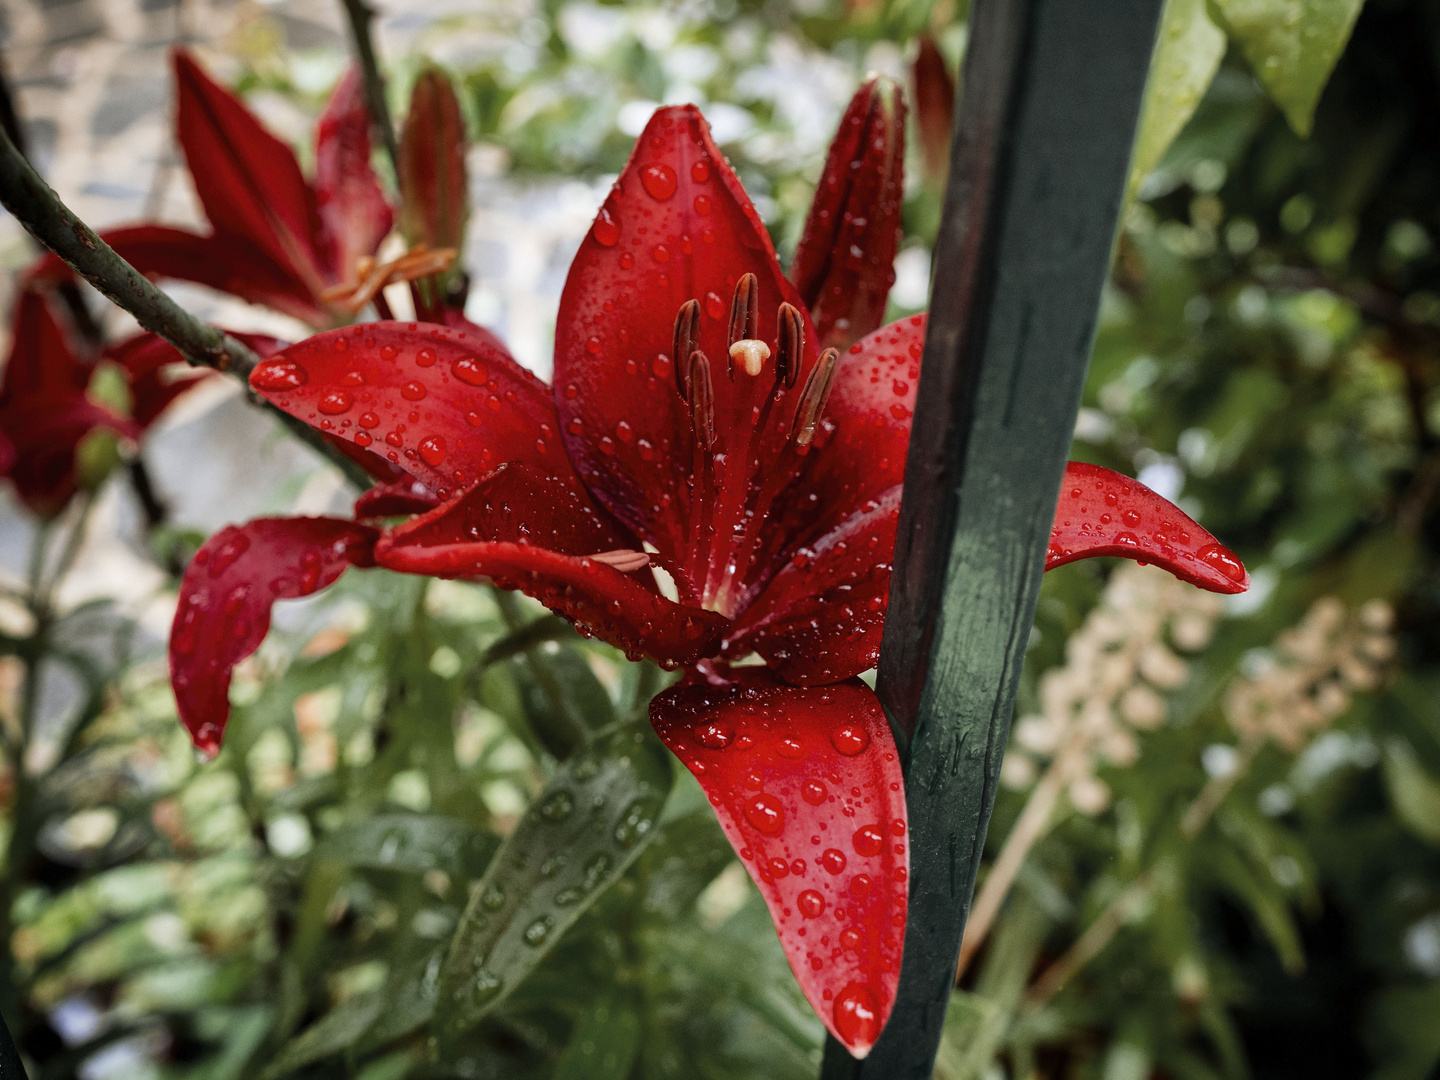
<point>625,560</point>
<point>372,276</point>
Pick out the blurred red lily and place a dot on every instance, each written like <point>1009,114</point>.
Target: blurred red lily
<point>696,427</point>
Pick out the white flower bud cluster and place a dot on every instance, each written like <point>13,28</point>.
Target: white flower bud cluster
<point>1307,678</point>
<point>1118,667</point>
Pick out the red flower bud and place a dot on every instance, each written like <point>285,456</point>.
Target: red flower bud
<point>432,165</point>
<point>934,111</point>
<point>845,263</point>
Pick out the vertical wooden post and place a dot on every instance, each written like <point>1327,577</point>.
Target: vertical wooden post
<point>1050,101</point>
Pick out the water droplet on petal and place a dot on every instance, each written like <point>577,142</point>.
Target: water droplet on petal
<point>335,402</point>
<point>868,840</point>
<point>606,230</point>
<point>700,171</point>
<point>850,739</point>
<point>811,904</point>
<point>425,357</point>
<point>833,860</point>
<point>702,205</point>
<point>765,813</point>
<point>432,450</point>
<point>1224,560</point>
<point>856,1017</point>
<point>715,735</point>
<point>813,792</point>
<point>278,375</point>
<point>413,391</point>
<point>470,371</point>
<point>659,180</point>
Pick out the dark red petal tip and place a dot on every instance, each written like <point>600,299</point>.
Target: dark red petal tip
<point>807,786</point>
<point>845,262</point>
<point>1102,512</point>
<point>225,600</point>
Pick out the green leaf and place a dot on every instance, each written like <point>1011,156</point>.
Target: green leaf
<point>412,843</point>
<point>575,840</point>
<point>563,700</point>
<point>333,1033</point>
<point>1414,793</point>
<point>1292,46</point>
<point>1187,56</point>
<point>604,1044</point>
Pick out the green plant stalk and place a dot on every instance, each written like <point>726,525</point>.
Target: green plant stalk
<point>539,670</point>
<point>360,14</point>
<point>46,217</point>
<point>1098,935</point>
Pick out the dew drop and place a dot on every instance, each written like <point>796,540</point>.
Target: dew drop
<point>811,904</point>
<point>335,402</point>
<point>851,938</point>
<point>714,735</point>
<point>659,180</point>
<point>765,813</point>
<point>856,1018</point>
<point>700,171</point>
<point>702,205</point>
<point>833,859</point>
<point>388,352</point>
<point>606,230</point>
<point>850,739</point>
<point>353,378</point>
<point>868,840</point>
<point>778,867</point>
<point>660,253</point>
<point>813,792</point>
<point>432,450</point>
<point>470,371</point>
<point>624,432</point>
<point>1224,560</point>
<point>714,306</point>
<point>369,420</point>
<point>413,391</point>
<point>279,375</point>
<point>425,357</point>
<point>789,748</point>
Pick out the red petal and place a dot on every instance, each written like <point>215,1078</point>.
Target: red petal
<point>677,226</point>
<point>432,164</point>
<point>354,213</point>
<point>524,530</point>
<point>934,110</point>
<point>444,405</point>
<point>248,180</point>
<point>44,433</point>
<point>820,618</point>
<point>41,362</point>
<point>405,496</point>
<point>807,786</point>
<point>229,264</point>
<point>1104,513</point>
<point>145,358</point>
<point>859,451</point>
<point>225,600</point>
<point>845,263</point>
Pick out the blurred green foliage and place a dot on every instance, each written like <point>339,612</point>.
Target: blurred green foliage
<point>1269,352</point>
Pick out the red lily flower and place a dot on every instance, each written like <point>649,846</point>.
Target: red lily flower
<point>277,240</point>
<point>696,427</point>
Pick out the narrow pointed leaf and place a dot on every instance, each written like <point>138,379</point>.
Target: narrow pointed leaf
<point>1102,512</point>
<point>605,1043</point>
<point>411,844</point>
<point>845,263</point>
<point>226,596</point>
<point>591,822</point>
<point>807,786</point>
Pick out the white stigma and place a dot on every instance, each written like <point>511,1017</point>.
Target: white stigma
<point>752,355</point>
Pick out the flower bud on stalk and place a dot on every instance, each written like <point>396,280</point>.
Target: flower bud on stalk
<point>934,111</point>
<point>432,184</point>
<point>845,263</point>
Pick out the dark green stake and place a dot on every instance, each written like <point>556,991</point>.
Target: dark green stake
<point>1051,96</point>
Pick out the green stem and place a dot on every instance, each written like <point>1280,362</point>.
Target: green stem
<point>360,15</point>
<point>539,670</point>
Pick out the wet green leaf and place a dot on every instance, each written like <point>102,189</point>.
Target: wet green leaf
<point>1292,46</point>
<point>1187,56</point>
<point>576,839</point>
<point>412,843</point>
<point>333,1033</point>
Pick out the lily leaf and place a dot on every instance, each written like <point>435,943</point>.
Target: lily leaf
<point>577,838</point>
<point>1292,47</point>
<point>1414,793</point>
<point>412,843</point>
<point>1186,58</point>
<point>331,1034</point>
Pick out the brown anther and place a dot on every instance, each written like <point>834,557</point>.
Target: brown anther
<point>812,401</point>
<point>789,344</point>
<point>687,341</point>
<point>702,400</point>
<point>625,560</point>
<point>745,309</point>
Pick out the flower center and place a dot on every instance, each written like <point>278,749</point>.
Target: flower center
<point>743,460</point>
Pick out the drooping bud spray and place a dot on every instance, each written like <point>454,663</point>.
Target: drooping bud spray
<point>845,263</point>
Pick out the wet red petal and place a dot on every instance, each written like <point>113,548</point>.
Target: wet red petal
<point>1104,513</point>
<point>248,180</point>
<point>677,226</point>
<point>432,164</point>
<point>354,213</point>
<point>845,262</point>
<point>860,449</point>
<point>807,786</point>
<point>524,530</point>
<point>225,600</point>
<point>445,405</point>
<point>229,264</point>
<point>405,496</point>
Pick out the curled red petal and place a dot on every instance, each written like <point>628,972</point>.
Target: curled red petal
<point>807,786</point>
<point>444,405</point>
<point>524,530</point>
<point>225,600</point>
<point>404,496</point>
<point>432,164</point>
<point>230,264</point>
<point>820,618</point>
<point>676,227</point>
<point>845,262</point>
<point>934,110</point>
<point>1102,512</point>
<point>860,448</point>
<point>354,213</point>
<point>248,180</point>
<point>158,373</point>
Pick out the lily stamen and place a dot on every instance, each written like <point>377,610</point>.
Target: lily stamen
<point>745,309</point>
<point>372,276</point>
<point>812,401</point>
<point>789,344</point>
<point>686,344</point>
